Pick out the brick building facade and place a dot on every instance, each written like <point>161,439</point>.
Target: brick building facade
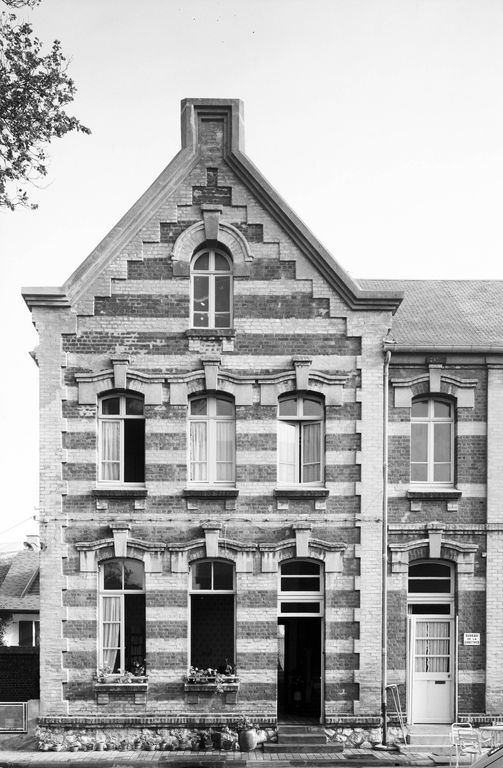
<point>212,386</point>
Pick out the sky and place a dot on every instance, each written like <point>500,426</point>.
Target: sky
<point>380,122</point>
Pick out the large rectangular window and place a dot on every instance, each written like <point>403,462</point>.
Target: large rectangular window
<point>212,619</point>
<point>122,615</point>
<point>121,439</point>
<point>431,444</point>
<point>300,440</point>
<point>212,440</point>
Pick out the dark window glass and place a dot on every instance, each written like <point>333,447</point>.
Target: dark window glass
<point>110,406</point>
<point>299,568</point>
<point>112,575</point>
<point>134,631</point>
<point>222,575</point>
<point>134,407</point>
<point>288,407</point>
<point>429,570</point>
<point>212,631</point>
<point>202,576</point>
<point>202,262</point>
<point>37,632</point>
<point>26,633</point>
<point>293,584</point>
<point>429,585</point>
<point>133,574</point>
<point>300,607</point>
<point>134,450</point>
<point>427,608</point>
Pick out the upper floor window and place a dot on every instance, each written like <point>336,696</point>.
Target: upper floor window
<point>300,439</point>
<point>29,633</point>
<point>212,440</point>
<point>211,289</point>
<point>121,439</point>
<point>122,615</point>
<point>431,450</point>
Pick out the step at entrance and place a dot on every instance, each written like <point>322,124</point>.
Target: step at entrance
<point>302,738</point>
<point>429,739</point>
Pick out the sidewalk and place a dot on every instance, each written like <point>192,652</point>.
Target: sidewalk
<point>358,757</point>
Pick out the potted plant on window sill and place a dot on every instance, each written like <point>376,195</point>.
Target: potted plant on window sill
<point>219,679</point>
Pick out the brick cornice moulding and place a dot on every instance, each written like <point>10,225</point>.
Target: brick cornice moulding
<point>120,545</point>
<point>433,547</point>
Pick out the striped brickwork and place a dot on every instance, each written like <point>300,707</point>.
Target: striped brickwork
<point>138,307</point>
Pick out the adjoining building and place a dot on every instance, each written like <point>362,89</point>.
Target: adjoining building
<point>213,468</point>
<point>19,637</point>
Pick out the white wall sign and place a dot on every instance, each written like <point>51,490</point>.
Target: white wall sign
<point>471,638</point>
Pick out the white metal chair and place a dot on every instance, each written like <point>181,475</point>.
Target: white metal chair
<point>465,742</point>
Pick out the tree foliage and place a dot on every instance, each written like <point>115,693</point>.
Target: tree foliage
<point>34,91</point>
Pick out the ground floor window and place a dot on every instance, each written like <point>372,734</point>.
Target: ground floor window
<point>212,615</point>
<point>122,615</point>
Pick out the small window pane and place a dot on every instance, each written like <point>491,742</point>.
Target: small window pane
<point>133,574</point>
<point>419,409</point>
<point>287,451</point>
<point>26,633</point>
<point>221,263</point>
<point>134,406</point>
<point>224,450</point>
<point>288,407</point>
<point>300,584</point>
<point>222,575</point>
<point>225,407</point>
<point>313,408</point>
<point>436,586</point>
<point>202,262</point>
<point>222,320</point>
<point>300,607</point>
<point>442,473</point>
<point>199,407</point>
<point>300,568</point>
<point>37,633</point>
<point>419,442</point>
<point>441,410</point>
<point>432,608</point>
<point>198,452</point>
<point>311,445</point>
<point>430,569</point>
<point>222,294</point>
<point>201,576</point>
<point>112,575</point>
<point>110,406</point>
<point>442,442</point>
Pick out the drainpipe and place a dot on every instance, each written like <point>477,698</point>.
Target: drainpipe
<point>384,586</point>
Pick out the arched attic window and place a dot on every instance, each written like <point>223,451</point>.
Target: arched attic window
<point>211,288</point>
<point>121,427</point>
<point>432,441</point>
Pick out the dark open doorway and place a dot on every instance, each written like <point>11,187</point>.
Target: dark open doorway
<point>299,668</point>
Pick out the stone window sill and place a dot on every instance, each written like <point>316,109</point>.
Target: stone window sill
<point>301,493</point>
<point>210,493</point>
<point>434,494</point>
<point>119,493</point>
<point>210,333</point>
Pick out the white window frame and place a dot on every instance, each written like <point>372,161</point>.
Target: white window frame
<point>211,420</point>
<point>211,273</point>
<point>430,419</point>
<point>119,418</point>
<point>298,422</point>
<point>211,591</point>
<point>121,593</point>
<point>301,596</point>
<point>433,598</point>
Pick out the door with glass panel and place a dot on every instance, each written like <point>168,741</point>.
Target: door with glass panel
<point>431,642</point>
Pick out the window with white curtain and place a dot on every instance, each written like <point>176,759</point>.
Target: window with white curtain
<point>122,615</point>
<point>121,439</point>
<point>431,441</point>
<point>300,440</point>
<point>211,294</point>
<point>212,430</point>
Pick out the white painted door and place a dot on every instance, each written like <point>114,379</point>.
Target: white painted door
<point>431,670</point>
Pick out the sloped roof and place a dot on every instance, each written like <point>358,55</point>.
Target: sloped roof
<point>230,112</point>
<point>446,313</point>
<point>19,587</point>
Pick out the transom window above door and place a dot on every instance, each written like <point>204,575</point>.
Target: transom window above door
<point>300,588</point>
<point>431,449</point>
<point>300,440</point>
<point>211,296</point>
